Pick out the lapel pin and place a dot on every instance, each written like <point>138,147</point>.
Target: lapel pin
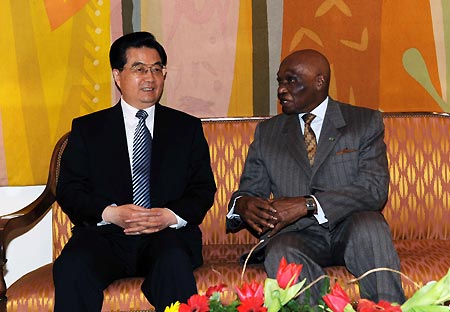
<point>331,139</point>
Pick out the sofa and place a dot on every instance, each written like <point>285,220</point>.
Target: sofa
<point>418,212</point>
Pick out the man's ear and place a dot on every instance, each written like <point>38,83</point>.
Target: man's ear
<point>116,77</point>
<point>320,82</point>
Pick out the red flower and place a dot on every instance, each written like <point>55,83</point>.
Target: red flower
<point>250,304</point>
<point>337,299</point>
<point>365,305</point>
<point>250,291</point>
<point>213,289</point>
<point>196,303</point>
<point>288,273</point>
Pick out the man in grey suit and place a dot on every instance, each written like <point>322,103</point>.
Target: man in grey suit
<point>319,204</point>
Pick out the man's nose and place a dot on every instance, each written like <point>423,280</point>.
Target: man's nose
<point>281,88</point>
<point>149,75</point>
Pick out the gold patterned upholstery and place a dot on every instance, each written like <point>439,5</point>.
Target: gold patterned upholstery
<point>417,210</point>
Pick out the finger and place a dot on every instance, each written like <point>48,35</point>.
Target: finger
<point>148,223</point>
<point>129,232</point>
<point>136,222</point>
<point>146,213</point>
<point>133,234</point>
<point>154,214</point>
<point>265,206</point>
<point>151,230</point>
<point>260,227</point>
<point>144,228</point>
<point>134,230</point>
<point>135,208</point>
<point>265,220</point>
<point>263,214</point>
<point>143,219</point>
<point>264,224</point>
<point>275,230</point>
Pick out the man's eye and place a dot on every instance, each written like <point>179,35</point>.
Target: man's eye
<point>292,80</point>
<point>140,69</point>
<point>156,69</point>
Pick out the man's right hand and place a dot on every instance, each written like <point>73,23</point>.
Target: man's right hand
<point>257,212</point>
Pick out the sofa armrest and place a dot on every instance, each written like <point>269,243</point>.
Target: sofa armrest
<point>18,222</point>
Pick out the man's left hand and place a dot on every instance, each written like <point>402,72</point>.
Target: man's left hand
<point>289,210</point>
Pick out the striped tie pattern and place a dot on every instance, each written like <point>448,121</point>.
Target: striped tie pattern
<point>310,137</point>
<point>142,150</point>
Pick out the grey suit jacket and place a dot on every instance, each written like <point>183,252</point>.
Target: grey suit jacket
<point>350,171</point>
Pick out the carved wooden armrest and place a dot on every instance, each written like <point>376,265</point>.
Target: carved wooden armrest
<point>20,221</point>
<point>17,223</point>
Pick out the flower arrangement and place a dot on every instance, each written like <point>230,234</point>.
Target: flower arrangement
<point>278,295</point>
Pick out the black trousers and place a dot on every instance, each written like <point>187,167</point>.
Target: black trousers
<point>96,256</point>
<point>362,242</point>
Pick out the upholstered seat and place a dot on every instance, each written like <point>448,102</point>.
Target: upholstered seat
<point>418,211</point>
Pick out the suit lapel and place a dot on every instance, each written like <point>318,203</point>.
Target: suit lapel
<point>121,160</point>
<point>158,137</point>
<point>294,141</point>
<point>330,133</point>
<point>161,135</point>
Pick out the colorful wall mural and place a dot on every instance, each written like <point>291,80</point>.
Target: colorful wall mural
<point>223,56</point>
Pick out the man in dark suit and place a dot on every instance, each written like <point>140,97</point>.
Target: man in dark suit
<point>314,191</point>
<point>110,177</point>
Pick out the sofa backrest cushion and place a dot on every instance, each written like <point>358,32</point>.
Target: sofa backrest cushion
<point>418,148</point>
<point>419,163</point>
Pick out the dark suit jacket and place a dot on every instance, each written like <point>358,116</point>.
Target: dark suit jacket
<point>350,171</point>
<point>95,169</point>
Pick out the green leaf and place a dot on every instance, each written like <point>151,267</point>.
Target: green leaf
<point>349,308</point>
<point>272,295</point>
<point>216,306</point>
<point>274,307</point>
<point>430,308</point>
<point>291,292</point>
<point>431,294</point>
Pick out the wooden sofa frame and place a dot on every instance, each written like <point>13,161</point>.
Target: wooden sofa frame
<point>418,211</point>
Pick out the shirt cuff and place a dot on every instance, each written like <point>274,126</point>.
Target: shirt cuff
<point>320,215</point>
<point>103,222</point>
<point>180,221</point>
<point>231,214</point>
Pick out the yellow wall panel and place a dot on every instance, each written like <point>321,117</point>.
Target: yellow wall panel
<point>55,71</point>
<point>241,100</point>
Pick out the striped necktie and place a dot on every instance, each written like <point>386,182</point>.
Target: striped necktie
<point>310,137</point>
<point>142,151</point>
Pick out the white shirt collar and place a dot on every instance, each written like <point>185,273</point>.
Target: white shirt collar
<point>316,124</point>
<point>129,112</point>
<point>319,111</point>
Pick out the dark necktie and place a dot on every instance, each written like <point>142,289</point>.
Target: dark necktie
<point>142,151</point>
<point>310,137</point>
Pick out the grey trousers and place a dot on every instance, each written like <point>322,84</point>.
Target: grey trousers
<point>362,242</point>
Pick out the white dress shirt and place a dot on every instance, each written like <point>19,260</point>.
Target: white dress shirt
<point>131,121</point>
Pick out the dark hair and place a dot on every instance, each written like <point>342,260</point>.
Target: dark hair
<point>118,51</point>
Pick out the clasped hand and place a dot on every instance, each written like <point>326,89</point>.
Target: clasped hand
<point>270,214</point>
<point>139,220</point>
